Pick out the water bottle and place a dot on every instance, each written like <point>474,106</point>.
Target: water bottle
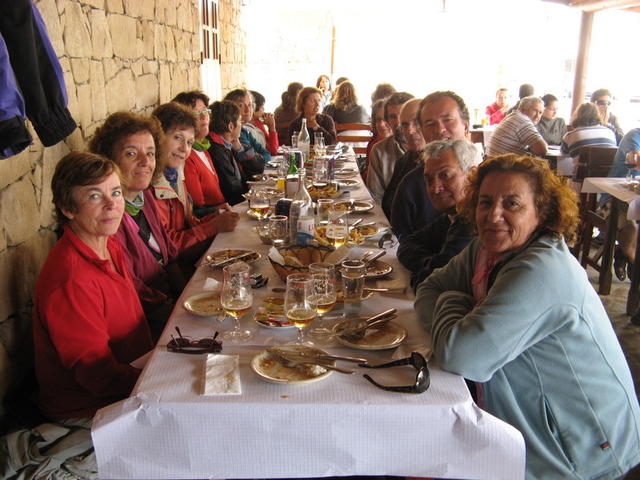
<point>305,221</point>
<point>304,141</point>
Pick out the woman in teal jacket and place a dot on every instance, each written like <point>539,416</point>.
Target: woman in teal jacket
<point>516,313</point>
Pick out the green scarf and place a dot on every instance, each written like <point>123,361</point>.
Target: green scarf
<point>202,145</point>
<point>134,206</point>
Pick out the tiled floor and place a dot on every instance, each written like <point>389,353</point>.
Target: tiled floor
<point>628,334</point>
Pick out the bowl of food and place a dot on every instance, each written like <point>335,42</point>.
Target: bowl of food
<point>296,259</point>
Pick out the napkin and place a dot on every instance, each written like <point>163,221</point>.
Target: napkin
<point>395,286</point>
<point>276,256</point>
<point>221,375</point>
<point>338,255</point>
<point>211,284</point>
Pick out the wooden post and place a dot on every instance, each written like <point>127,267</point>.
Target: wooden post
<point>582,61</point>
<point>333,50</point>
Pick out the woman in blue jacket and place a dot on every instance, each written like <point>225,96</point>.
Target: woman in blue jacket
<point>516,313</point>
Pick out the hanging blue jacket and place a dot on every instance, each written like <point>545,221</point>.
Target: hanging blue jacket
<point>31,81</point>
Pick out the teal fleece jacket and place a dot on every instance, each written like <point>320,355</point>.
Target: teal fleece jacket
<point>545,349</point>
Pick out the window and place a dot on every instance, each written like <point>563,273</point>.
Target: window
<point>210,32</point>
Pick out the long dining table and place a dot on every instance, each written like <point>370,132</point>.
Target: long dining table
<point>340,426</point>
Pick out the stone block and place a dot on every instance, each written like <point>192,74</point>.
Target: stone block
<point>15,201</point>
<point>13,168</point>
<point>159,49</point>
<point>133,8</point>
<point>148,11</point>
<point>149,66</point>
<point>98,100</point>
<point>99,4</point>
<point>146,91</point>
<point>101,45</point>
<point>164,82</point>
<point>50,158</point>
<point>75,31</point>
<point>84,114</point>
<point>123,35</point>
<point>171,15</point>
<point>147,32</point>
<point>27,263</point>
<point>115,6</point>
<point>76,141</point>
<point>136,67</point>
<point>49,12</point>
<point>170,44</point>
<point>80,70</point>
<point>118,91</point>
<point>111,67</point>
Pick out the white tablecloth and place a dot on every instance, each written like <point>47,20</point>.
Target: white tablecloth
<point>339,426</point>
<point>616,187</point>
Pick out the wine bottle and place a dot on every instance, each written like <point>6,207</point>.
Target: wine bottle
<point>291,180</point>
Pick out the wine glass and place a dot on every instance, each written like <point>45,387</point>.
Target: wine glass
<point>337,230</point>
<point>319,146</point>
<point>297,307</point>
<point>323,296</point>
<point>631,162</point>
<point>236,299</point>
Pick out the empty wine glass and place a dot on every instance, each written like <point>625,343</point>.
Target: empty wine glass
<point>236,299</point>
<point>297,307</point>
<point>323,297</point>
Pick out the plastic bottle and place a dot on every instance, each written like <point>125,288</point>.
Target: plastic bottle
<point>304,142</point>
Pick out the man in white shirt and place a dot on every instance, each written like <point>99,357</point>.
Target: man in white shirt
<point>517,133</point>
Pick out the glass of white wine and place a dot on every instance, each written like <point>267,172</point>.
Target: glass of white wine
<point>258,203</point>
<point>337,229</point>
<point>323,297</point>
<point>236,299</point>
<point>297,307</point>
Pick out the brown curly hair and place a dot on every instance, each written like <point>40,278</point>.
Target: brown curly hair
<point>122,124</point>
<point>302,97</point>
<point>555,200</point>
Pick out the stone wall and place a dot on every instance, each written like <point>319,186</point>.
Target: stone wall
<point>116,55</point>
<point>232,46</point>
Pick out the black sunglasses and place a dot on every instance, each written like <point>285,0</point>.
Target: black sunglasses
<point>417,361</point>
<point>183,344</point>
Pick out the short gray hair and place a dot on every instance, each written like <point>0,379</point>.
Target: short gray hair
<point>527,102</point>
<point>466,152</point>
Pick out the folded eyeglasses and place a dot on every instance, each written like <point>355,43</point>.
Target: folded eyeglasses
<point>417,361</point>
<point>183,344</point>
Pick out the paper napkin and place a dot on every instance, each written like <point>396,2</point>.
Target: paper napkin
<point>211,285</point>
<point>221,375</point>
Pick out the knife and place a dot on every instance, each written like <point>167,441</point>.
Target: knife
<point>230,259</point>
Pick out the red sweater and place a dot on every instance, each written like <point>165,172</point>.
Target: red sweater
<point>88,325</point>
<point>270,137</point>
<point>202,182</point>
<point>495,115</point>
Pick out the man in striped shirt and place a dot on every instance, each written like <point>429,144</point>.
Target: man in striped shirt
<point>517,133</point>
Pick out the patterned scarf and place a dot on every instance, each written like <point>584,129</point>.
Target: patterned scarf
<point>134,206</point>
<point>171,174</point>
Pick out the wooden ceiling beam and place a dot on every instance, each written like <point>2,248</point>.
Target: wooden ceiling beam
<point>597,5</point>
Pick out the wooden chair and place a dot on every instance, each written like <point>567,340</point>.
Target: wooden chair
<point>348,138</point>
<point>596,162</point>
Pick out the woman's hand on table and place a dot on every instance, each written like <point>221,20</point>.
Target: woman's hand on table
<point>633,158</point>
<point>226,221</point>
<point>224,207</point>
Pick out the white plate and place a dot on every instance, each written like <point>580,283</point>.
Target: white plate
<point>270,370</point>
<point>388,335</point>
<point>205,304</point>
<point>348,184</point>
<point>359,206</point>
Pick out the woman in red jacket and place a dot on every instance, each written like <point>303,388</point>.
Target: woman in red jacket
<point>174,206</point>
<point>88,323</point>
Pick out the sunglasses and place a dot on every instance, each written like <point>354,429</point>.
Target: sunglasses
<point>603,102</point>
<point>183,344</point>
<point>417,361</point>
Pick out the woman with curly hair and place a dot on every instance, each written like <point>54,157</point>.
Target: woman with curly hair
<point>515,312</point>
<point>345,108</point>
<point>308,105</point>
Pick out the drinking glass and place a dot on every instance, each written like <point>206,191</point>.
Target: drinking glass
<point>320,178</point>
<point>323,206</point>
<point>323,296</point>
<point>337,230</point>
<point>353,283</point>
<point>630,161</point>
<point>319,146</point>
<point>278,230</point>
<point>236,299</point>
<point>294,140</point>
<point>297,307</point>
<point>259,202</point>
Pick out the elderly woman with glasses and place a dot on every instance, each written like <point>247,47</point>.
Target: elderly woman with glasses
<point>88,324</point>
<point>515,312</point>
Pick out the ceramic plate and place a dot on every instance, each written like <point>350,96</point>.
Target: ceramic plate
<point>388,335</point>
<point>205,304</point>
<point>343,173</point>
<point>269,369</point>
<point>359,206</point>
<point>220,255</point>
<point>348,184</point>
<point>378,269</point>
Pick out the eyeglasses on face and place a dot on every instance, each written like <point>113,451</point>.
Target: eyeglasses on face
<point>603,102</point>
<point>206,111</point>
<point>183,344</point>
<point>417,361</point>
